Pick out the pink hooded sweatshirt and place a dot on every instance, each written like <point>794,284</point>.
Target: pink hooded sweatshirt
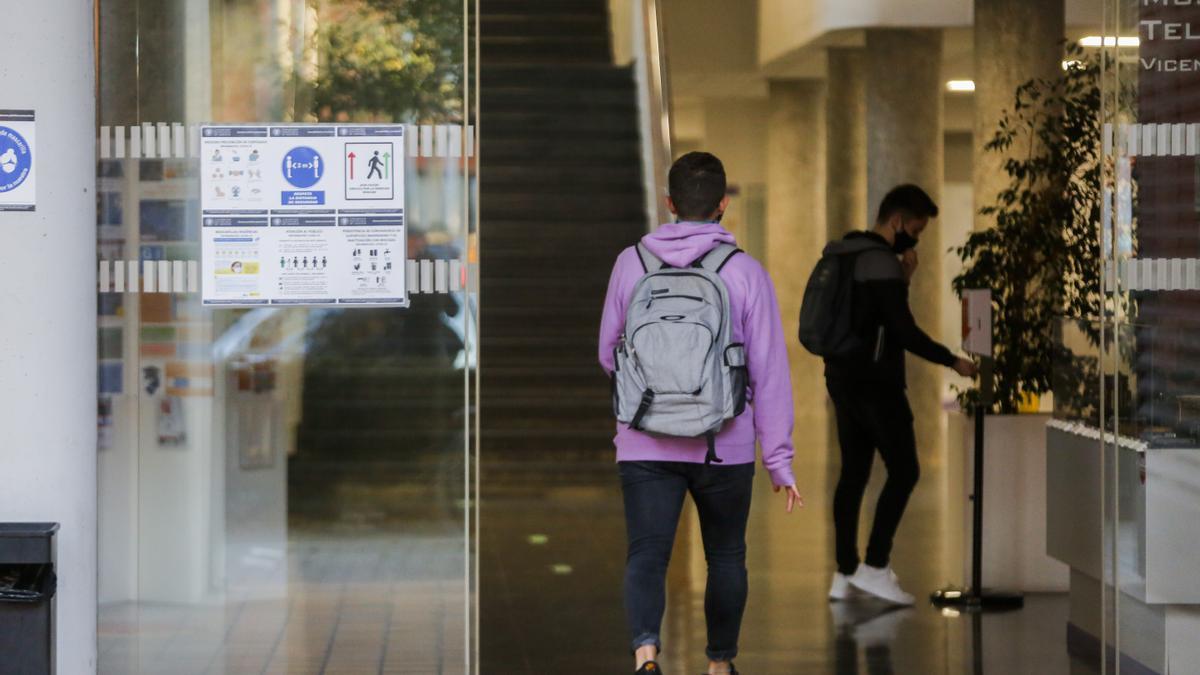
<point>754,318</point>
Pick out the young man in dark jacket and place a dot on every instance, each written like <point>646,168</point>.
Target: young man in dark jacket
<point>868,391</point>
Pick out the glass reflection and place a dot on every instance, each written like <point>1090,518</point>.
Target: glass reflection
<point>281,490</point>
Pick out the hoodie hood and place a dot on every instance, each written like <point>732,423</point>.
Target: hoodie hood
<point>681,244</point>
<point>856,242</point>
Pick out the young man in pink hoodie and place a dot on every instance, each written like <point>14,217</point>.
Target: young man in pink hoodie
<point>658,471</point>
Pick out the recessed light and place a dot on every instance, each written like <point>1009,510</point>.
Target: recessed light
<point>960,85</point>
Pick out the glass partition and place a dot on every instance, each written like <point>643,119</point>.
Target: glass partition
<point>1151,246</point>
<point>285,487</point>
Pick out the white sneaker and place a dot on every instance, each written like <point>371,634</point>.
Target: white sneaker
<point>882,583</point>
<point>840,589</point>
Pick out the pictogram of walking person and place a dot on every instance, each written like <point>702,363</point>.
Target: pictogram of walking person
<point>375,166</point>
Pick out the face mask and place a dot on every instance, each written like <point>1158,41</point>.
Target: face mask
<point>903,241</point>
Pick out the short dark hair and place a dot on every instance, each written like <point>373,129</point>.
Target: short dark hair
<point>697,185</point>
<point>909,201</point>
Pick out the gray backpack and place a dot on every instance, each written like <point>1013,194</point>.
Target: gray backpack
<point>677,371</point>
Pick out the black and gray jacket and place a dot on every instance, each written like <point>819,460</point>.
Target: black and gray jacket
<point>882,318</point>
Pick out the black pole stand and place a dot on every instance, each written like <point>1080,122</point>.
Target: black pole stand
<point>977,598</point>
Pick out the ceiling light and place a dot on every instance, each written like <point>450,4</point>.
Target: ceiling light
<point>960,85</point>
<point>1109,41</point>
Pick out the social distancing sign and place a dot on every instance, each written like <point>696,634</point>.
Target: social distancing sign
<point>302,215</point>
<point>18,184</point>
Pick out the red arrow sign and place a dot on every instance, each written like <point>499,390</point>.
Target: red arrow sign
<point>351,157</point>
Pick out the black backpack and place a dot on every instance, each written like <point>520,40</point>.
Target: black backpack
<point>826,313</point>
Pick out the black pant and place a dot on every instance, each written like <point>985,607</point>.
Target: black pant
<point>654,494</point>
<point>871,417</point>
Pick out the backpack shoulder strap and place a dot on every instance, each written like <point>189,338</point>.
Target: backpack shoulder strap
<point>877,265</point>
<point>650,262</point>
<point>715,259</point>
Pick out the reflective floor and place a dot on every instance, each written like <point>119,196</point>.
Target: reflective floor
<point>553,551</point>
<point>353,604</point>
<point>361,600</point>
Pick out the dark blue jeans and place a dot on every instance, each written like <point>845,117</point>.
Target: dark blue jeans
<point>654,493</point>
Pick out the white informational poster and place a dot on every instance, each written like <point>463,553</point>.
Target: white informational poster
<point>308,214</point>
<point>18,187</point>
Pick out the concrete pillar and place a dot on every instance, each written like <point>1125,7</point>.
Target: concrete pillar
<point>1015,41</point>
<point>796,231</point>
<point>846,142</point>
<point>795,235</point>
<point>48,364</point>
<point>904,145</point>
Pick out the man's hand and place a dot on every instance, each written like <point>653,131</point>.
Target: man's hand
<point>965,367</point>
<point>908,260</point>
<point>793,497</point>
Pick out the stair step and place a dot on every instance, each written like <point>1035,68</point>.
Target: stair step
<point>576,208</point>
<point>534,179</point>
<point>550,271</point>
<point>614,232</point>
<point>620,124</point>
<point>509,7</point>
<point>545,49</point>
<point>597,397</point>
<point>587,24</point>
<point>613,99</point>
<point>547,152</point>
<point>567,444</point>
<point>553,77</point>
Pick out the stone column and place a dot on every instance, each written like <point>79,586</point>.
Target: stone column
<point>904,145</point>
<point>48,364</point>
<point>846,142</point>
<point>796,233</point>
<point>1015,41</point>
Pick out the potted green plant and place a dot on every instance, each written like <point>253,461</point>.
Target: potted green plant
<point>1040,258</point>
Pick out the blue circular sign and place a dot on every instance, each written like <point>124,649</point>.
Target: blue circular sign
<point>16,159</point>
<point>303,166</point>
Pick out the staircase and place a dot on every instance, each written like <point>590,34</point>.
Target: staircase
<point>561,195</point>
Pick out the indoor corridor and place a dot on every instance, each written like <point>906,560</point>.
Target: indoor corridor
<point>552,557</point>
<point>551,563</point>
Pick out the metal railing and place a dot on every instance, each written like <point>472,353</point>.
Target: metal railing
<point>654,104</point>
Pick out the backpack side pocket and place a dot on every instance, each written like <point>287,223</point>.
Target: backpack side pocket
<point>739,376</point>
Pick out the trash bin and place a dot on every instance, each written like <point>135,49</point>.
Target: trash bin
<point>27,584</point>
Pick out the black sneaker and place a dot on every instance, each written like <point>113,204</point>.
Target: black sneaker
<point>649,667</point>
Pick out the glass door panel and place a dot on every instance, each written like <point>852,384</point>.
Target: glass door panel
<point>283,488</point>
<point>1151,241</point>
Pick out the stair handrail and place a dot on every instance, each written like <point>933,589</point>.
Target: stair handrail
<point>654,102</point>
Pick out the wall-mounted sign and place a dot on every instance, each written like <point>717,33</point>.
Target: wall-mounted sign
<point>303,215</point>
<point>18,187</point>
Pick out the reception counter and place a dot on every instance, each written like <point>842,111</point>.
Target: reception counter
<point>1157,546</point>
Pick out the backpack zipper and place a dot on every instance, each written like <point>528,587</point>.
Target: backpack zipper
<point>664,297</point>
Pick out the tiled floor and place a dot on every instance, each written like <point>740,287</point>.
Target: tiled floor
<point>352,605</point>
